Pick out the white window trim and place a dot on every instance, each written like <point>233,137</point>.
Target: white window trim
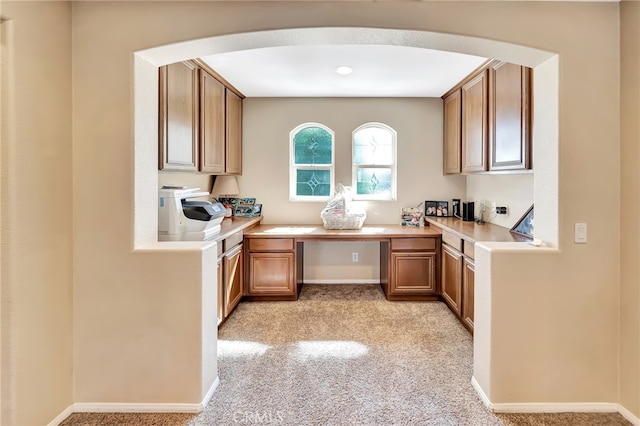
<point>294,167</point>
<point>394,165</point>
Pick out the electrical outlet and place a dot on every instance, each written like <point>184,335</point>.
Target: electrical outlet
<point>354,257</point>
<point>501,210</point>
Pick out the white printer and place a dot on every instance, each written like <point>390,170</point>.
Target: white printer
<point>182,220</point>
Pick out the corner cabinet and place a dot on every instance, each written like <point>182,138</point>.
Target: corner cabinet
<point>200,121</point>
<point>412,268</point>
<point>487,121</point>
<point>178,117</point>
<point>458,277</point>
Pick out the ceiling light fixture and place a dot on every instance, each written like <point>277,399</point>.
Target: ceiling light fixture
<point>344,70</point>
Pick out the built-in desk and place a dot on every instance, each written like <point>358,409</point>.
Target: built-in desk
<point>409,259</point>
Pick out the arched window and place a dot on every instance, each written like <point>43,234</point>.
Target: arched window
<point>312,163</point>
<point>374,162</point>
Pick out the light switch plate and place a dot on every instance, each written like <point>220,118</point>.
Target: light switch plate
<point>580,233</point>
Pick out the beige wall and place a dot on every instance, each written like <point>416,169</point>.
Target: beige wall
<point>564,307</point>
<point>630,207</point>
<point>418,122</point>
<point>584,124</point>
<point>37,213</point>
<point>513,190</point>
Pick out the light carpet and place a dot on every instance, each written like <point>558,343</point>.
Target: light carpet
<point>344,355</point>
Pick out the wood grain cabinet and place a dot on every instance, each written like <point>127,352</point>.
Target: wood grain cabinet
<point>458,277</point>
<point>487,121</point>
<point>178,117</point>
<point>271,271</point>
<point>200,121</point>
<point>452,128</point>
<point>412,269</point>
<point>509,117</point>
<point>468,288</point>
<point>233,279</point>
<point>474,124</point>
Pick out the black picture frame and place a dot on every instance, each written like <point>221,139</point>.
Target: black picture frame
<point>524,225</point>
<point>442,209</point>
<point>430,208</point>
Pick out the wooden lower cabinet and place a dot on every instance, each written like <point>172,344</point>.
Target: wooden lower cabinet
<point>452,278</point>
<point>468,284</point>
<point>412,269</point>
<point>271,273</point>
<point>233,279</point>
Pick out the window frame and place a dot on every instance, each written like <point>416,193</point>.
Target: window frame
<point>293,168</point>
<point>393,196</point>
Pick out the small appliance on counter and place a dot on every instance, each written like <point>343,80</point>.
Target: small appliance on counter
<point>182,220</point>
<point>467,211</point>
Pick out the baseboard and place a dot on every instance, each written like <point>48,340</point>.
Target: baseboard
<point>98,407</point>
<point>342,281</point>
<point>633,419</point>
<point>552,407</point>
<point>60,417</point>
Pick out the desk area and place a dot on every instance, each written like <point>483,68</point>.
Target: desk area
<point>409,259</point>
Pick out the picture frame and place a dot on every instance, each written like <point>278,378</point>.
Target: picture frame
<point>411,217</point>
<point>430,208</point>
<point>243,210</point>
<point>524,225</point>
<point>442,208</point>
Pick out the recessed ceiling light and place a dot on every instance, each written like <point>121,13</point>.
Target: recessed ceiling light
<point>344,70</point>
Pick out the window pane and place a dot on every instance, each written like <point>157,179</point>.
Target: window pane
<point>374,182</point>
<point>373,145</point>
<point>313,182</point>
<point>312,145</point>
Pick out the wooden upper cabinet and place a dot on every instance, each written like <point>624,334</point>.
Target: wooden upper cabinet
<point>234,134</point>
<point>178,117</point>
<point>474,124</point>
<point>212,124</point>
<point>452,136</point>
<point>509,112</point>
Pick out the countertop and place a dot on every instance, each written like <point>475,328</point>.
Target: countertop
<point>231,225</point>
<point>311,232</point>
<point>474,232</point>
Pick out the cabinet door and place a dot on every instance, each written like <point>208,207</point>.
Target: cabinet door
<point>452,277</point>
<point>413,273</point>
<point>468,279</point>
<point>509,144</point>
<point>212,124</point>
<point>271,274</point>
<point>474,124</point>
<point>220,306</point>
<point>234,134</point>
<point>233,279</point>
<point>452,135</point>
<point>178,117</point>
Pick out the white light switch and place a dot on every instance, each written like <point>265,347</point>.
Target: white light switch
<point>580,234</point>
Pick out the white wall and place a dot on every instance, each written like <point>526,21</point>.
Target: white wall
<point>418,122</point>
<point>36,212</point>
<point>512,190</point>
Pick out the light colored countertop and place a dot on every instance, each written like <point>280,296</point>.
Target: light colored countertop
<point>231,225</point>
<point>312,232</point>
<point>474,232</point>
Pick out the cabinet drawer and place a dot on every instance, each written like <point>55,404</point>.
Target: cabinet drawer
<point>413,244</point>
<point>452,240</point>
<point>271,244</point>
<point>232,240</point>
<point>469,249</point>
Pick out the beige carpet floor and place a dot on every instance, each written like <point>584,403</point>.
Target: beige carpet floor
<point>343,355</point>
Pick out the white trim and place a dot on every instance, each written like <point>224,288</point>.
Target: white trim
<point>62,416</point>
<point>628,415</point>
<point>344,281</point>
<point>109,407</point>
<point>554,407</point>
